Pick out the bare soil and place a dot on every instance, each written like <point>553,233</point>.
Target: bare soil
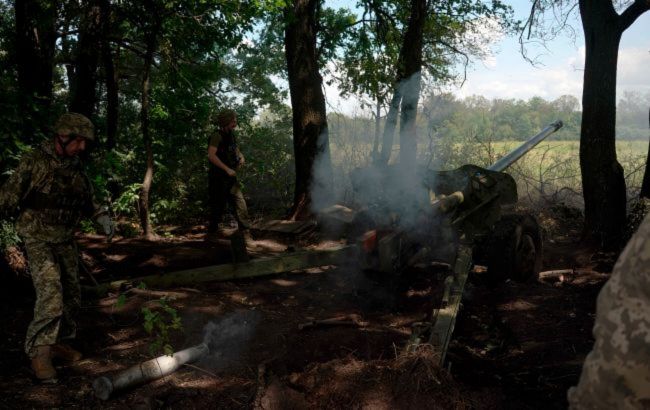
<point>515,345</point>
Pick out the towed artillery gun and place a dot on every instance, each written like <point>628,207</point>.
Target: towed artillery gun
<point>458,217</point>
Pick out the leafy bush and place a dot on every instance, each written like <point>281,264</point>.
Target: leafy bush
<point>87,226</point>
<point>160,323</point>
<point>127,202</point>
<point>8,235</point>
<point>128,229</point>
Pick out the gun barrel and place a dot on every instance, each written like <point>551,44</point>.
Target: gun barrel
<point>520,151</point>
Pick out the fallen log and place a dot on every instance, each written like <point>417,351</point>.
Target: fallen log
<point>253,268</point>
<point>559,274</point>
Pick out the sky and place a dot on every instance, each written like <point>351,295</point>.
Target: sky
<point>507,75</point>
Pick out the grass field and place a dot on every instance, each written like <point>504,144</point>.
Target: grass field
<point>548,173</point>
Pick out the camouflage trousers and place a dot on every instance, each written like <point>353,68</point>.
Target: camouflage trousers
<point>616,373</point>
<point>54,268</point>
<point>224,191</point>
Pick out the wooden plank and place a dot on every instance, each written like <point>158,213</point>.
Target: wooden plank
<point>445,319</point>
<point>238,247</point>
<point>253,268</point>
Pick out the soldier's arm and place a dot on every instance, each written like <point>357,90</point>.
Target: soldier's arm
<point>16,188</point>
<point>214,158</point>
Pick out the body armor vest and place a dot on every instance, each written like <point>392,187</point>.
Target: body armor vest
<point>227,149</point>
<point>63,196</point>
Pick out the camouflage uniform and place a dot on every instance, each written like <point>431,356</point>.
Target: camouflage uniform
<point>222,188</point>
<point>616,373</point>
<point>51,193</point>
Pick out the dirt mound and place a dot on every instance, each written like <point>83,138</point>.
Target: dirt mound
<point>410,381</point>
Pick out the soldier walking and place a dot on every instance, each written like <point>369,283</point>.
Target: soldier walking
<point>223,187</point>
<point>49,192</point>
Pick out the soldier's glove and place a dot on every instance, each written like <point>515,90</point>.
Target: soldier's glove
<point>107,223</point>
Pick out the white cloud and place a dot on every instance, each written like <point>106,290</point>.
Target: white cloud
<point>632,70</point>
<point>549,83</point>
<point>555,79</point>
<point>490,61</point>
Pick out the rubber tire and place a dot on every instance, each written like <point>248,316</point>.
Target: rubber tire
<point>515,248</point>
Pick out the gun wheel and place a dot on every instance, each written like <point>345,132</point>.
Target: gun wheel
<point>515,248</point>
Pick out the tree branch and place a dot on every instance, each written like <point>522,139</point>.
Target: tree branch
<point>460,52</point>
<point>632,13</point>
<point>528,27</point>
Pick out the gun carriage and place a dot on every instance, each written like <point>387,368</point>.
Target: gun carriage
<point>459,217</point>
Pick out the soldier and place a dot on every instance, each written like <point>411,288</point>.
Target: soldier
<point>50,192</point>
<point>616,373</point>
<point>223,187</point>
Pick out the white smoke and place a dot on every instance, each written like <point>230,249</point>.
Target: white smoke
<point>227,338</point>
<point>323,193</point>
<point>396,189</point>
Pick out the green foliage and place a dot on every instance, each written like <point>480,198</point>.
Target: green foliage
<point>476,117</point>
<point>127,202</point>
<point>121,301</point>
<point>268,174</point>
<point>213,54</point>
<point>8,235</point>
<point>166,210</point>
<point>87,226</point>
<point>128,229</point>
<point>453,32</point>
<point>11,144</point>
<point>632,116</point>
<point>161,323</point>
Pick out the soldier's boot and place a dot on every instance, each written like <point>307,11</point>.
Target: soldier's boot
<point>42,365</point>
<point>65,352</point>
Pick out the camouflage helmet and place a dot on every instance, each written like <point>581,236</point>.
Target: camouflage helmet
<point>74,123</point>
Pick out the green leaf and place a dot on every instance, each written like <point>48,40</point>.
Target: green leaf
<point>121,301</point>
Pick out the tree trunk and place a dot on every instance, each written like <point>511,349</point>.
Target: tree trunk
<point>310,137</point>
<point>375,141</point>
<point>83,91</point>
<point>412,61</point>
<point>406,89</point>
<point>35,44</point>
<point>145,222</point>
<point>603,181</point>
<point>391,124</point>
<point>645,185</point>
<point>110,77</point>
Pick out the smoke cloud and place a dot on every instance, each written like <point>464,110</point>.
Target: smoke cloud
<point>227,338</point>
<point>393,190</point>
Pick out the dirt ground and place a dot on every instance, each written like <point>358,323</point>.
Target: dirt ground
<point>515,345</point>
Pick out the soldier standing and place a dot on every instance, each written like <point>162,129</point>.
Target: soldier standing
<point>223,187</point>
<point>50,192</point>
<point>616,373</point>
